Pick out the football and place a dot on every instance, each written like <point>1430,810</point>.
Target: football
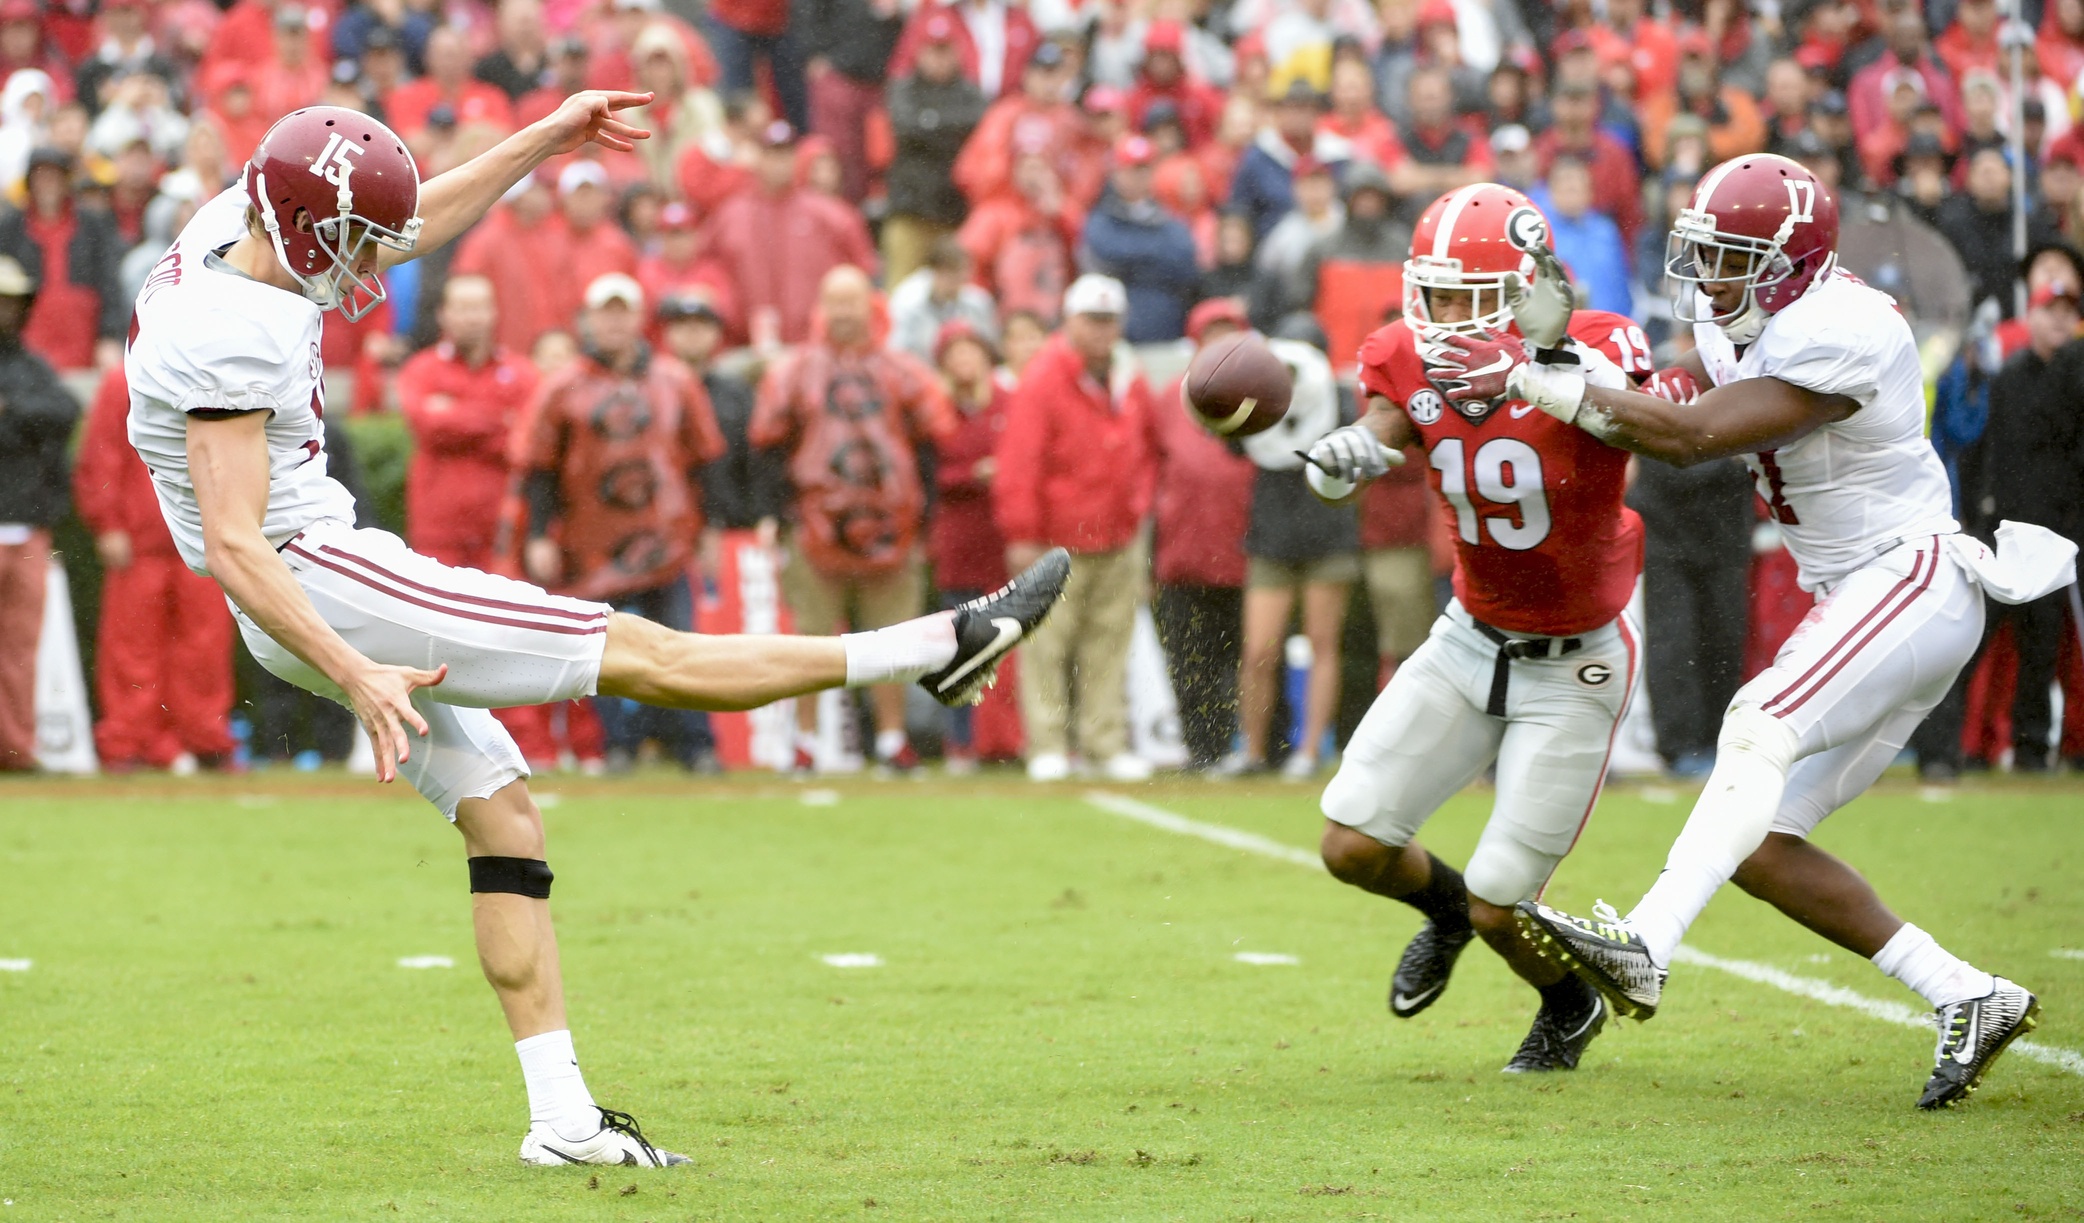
<point>1237,386</point>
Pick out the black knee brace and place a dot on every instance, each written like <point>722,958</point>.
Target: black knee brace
<point>521,876</point>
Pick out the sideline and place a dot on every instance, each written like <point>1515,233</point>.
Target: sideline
<point>1763,974</point>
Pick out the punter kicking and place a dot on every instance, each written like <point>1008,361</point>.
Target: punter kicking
<point>1814,378</point>
<point>227,411</point>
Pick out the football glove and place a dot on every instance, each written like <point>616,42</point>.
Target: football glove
<point>1558,390</point>
<point>1674,385</point>
<point>1472,368</point>
<point>1542,309</point>
<point>1351,453</point>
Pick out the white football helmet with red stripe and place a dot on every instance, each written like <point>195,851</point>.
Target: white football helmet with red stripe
<point>1474,239</point>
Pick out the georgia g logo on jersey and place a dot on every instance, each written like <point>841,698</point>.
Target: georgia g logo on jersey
<point>1425,405</point>
<point>334,162</point>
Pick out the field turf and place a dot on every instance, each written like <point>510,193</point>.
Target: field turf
<point>216,1026</point>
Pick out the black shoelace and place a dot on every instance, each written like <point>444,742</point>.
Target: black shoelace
<point>623,1123</point>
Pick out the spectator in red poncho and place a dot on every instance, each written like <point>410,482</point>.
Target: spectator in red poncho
<point>742,31</point>
<point>2060,46</point>
<point>1354,117</point>
<point>1023,240</point>
<point>1970,42</point>
<point>519,247</point>
<point>1201,508</point>
<point>22,45</point>
<point>1164,77</point>
<point>594,245</point>
<point>776,241</point>
<point>1616,188</point>
<point>712,171</point>
<point>79,314</point>
<point>681,267</point>
<point>979,23</point>
<point>246,36</point>
<point>448,82</point>
<point>968,554</point>
<point>1645,44</point>
<point>234,110</point>
<point>1734,124</point>
<point>1038,119</point>
<point>293,77</point>
<point>1868,97</point>
<point>163,659</point>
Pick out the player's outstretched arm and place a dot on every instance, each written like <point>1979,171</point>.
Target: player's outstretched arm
<point>451,203</point>
<point>1344,459</point>
<point>1740,418</point>
<point>228,466</point>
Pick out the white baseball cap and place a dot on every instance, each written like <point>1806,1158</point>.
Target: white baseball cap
<point>614,287</point>
<point>1093,293</point>
<point>579,174</point>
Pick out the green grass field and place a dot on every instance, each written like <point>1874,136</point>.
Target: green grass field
<point>215,1026</point>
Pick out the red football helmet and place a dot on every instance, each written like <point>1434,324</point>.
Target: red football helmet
<point>1761,221</point>
<point>1474,239</point>
<point>327,183</point>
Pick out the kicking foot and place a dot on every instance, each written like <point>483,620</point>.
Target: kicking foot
<point>987,628</point>
<point>1603,952</point>
<point>1971,1035</point>
<point>619,1141</point>
<point>1422,973</point>
<point>1556,1042</point>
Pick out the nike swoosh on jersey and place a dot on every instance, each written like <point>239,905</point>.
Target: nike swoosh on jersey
<point>1522,410</point>
<point>1009,632</point>
<point>1405,1002</point>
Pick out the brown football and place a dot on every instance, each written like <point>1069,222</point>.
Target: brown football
<point>1237,386</point>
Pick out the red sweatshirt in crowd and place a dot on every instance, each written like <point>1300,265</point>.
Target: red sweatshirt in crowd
<point>461,417</point>
<point>1203,503</point>
<point>1074,461</point>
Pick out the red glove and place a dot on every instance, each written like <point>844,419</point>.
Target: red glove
<point>1472,368</point>
<point>1675,385</point>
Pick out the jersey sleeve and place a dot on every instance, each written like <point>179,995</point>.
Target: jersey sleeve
<point>222,363</point>
<point>1617,336</point>
<point>1375,354</point>
<point>1831,355</point>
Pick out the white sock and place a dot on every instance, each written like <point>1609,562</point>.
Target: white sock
<point>889,743</point>
<point>1930,970</point>
<point>1728,823</point>
<point>557,1094</point>
<point>902,652</point>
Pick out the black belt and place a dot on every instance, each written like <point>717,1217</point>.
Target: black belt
<point>1510,648</point>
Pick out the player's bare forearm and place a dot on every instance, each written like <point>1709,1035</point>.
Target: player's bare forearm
<point>451,203</point>
<point>1740,418</point>
<point>1389,424</point>
<point>228,465</point>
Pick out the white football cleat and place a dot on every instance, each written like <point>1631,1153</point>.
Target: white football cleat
<point>619,1141</point>
<point>1128,767</point>
<point>1049,766</point>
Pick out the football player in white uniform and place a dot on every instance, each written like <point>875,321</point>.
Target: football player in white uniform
<point>227,410</point>
<point>1814,379</point>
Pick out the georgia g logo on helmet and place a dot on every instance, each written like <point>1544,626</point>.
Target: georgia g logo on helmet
<point>1526,229</point>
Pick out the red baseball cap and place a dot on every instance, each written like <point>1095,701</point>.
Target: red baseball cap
<point>1435,12</point>
<point>1571,41</point>
<point>2050,293</point>
<point>1104,100</point>
<point>1165,36</point>
<point>1695,42</point>
<point>939,28</point>
<point>1134,151</point>
<point>1216,310</point>
<point>20,10</point>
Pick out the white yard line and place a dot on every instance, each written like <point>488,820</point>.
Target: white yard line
<point>16,965</point>
<point>1762,974</point>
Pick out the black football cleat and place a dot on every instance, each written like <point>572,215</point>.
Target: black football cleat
<point>986,628</point>
<point>1603,952</point>
<point>1423,971</point>
<point>1971,1035</point>
<point>1557,1042</point>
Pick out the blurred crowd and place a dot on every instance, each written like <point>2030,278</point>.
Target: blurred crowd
<point>899,290</point>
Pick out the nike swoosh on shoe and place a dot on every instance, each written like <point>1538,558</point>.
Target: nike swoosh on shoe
<point>1008,633</point>
<point>1405,1002</point>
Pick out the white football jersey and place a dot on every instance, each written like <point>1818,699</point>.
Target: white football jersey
<point>209,339</point>
<point>1847,492</point>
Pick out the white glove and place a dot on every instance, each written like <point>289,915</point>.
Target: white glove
<point>1351,454</point>
<point>1542,309</point>
<point>1558,390</point>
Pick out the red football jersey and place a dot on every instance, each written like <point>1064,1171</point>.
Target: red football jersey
<point>1543,544</point>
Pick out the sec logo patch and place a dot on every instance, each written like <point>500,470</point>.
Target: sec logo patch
<point>1425,405</point>
<point>1595,675</point>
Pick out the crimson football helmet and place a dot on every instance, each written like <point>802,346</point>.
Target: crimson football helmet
<point>329,183</point>
<point>1761,221</point>
<point>1474,239</point>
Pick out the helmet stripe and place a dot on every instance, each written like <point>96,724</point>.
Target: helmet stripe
<point>1443,233</point>
<point>1706,192</point>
